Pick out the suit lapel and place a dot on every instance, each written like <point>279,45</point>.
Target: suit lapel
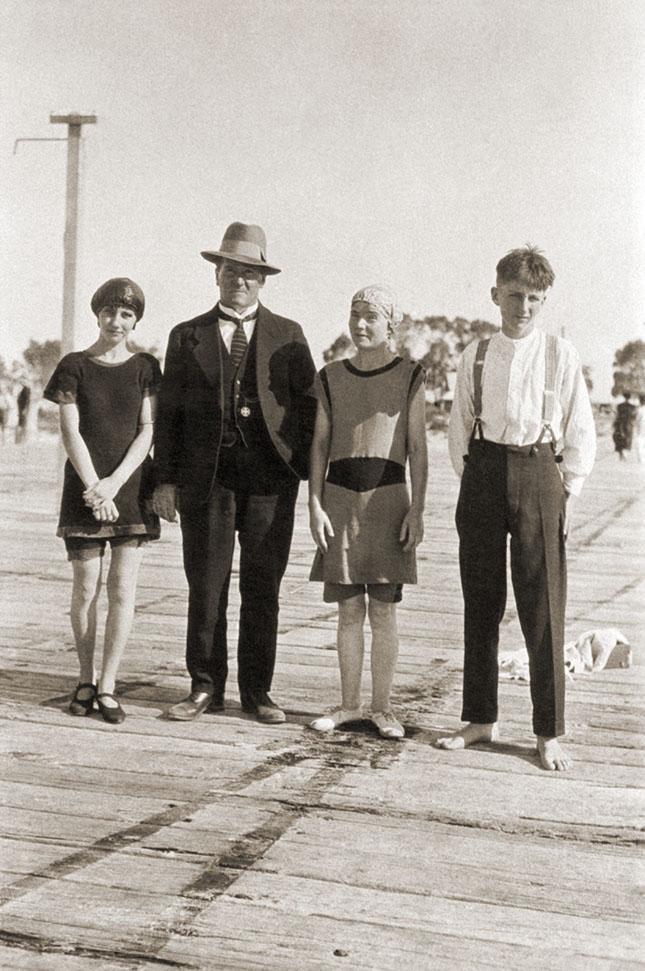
<point>207,348</point>
<point>267,339</point>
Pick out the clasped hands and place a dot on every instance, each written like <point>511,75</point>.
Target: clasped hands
<point>100,499</point>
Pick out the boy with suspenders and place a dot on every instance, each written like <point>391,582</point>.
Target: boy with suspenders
<point>522,439</point>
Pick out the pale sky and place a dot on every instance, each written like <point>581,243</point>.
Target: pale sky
<point>395,141</point>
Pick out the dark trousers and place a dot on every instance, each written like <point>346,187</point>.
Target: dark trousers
<point>264,525</point>
<point>507,490</point>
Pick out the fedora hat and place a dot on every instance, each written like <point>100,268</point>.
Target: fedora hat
<point>242,244</point>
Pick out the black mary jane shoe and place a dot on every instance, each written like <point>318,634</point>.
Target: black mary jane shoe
<point>109,714</point>
<point>82,706</point>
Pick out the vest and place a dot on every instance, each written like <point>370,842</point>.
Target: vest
<point>244,430</point>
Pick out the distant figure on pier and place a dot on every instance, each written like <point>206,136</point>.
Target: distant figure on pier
<point>5,410</point>
<point>522,439</point>
<point>23,402</point>
<point>624,423</point>
<point>639,429</point>
<point>11,414</point>
<point>370,424</point>
<point>236,416</point>
<point>107,397</point>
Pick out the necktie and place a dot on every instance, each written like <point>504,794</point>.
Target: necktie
<point>239,342</point>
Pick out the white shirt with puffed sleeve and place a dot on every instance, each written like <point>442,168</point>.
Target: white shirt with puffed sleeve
<point>512,396</point>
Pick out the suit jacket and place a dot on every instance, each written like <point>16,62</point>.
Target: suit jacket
<point>189,421</point>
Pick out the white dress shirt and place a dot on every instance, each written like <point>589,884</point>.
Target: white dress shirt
<point>227,327</point>
<point>512,396</point>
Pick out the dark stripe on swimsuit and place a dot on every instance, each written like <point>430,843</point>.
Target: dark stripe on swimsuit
<point>365,473</point>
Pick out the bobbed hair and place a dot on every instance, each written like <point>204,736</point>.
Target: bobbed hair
<point>120,291</point>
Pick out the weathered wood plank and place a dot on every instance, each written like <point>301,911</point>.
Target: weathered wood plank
<point>267,923</point>
<point>413,856</point>
<point>223,843</point>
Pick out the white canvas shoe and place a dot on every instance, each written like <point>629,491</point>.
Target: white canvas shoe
<point>387,724</point>
<point>335,718</point>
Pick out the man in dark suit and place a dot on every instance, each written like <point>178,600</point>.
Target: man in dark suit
<point>234,425</point>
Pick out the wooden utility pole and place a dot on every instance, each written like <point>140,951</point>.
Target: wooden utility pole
<point>70,242</point>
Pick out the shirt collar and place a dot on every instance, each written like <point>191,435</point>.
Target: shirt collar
<point>518,343</point>
<point>248,312</point>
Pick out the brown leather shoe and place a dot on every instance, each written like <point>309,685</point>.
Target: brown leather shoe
<point>264,709</point>
<point>190,708</point>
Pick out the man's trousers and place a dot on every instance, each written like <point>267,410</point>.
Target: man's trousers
<point>264,525</point>
<point>517,491</point>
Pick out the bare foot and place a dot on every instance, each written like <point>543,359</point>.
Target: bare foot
<point>552,756</point>
<point>473,732</point>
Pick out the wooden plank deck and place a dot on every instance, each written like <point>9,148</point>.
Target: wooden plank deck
<point>227,844</point>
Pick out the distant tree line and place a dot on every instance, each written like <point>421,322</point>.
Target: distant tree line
<point>41,357</point>
<point>629,369</point>
<point>437,342</point>
<point>25,379</point>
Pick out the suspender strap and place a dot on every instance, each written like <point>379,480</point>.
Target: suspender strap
<point>482,347</point>
<point>478,368</point>
<point>548,398</point>
<point>549,380</point>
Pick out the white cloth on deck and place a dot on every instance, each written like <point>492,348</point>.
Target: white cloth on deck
<point>592,651</point>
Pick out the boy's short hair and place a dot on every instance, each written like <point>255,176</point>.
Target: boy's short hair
<point>529,262</point>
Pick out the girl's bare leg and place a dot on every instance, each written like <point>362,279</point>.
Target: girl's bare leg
<point>385,651</point>
<point>86,587</point>
<point>350,643</point>
<point>121,590</point>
